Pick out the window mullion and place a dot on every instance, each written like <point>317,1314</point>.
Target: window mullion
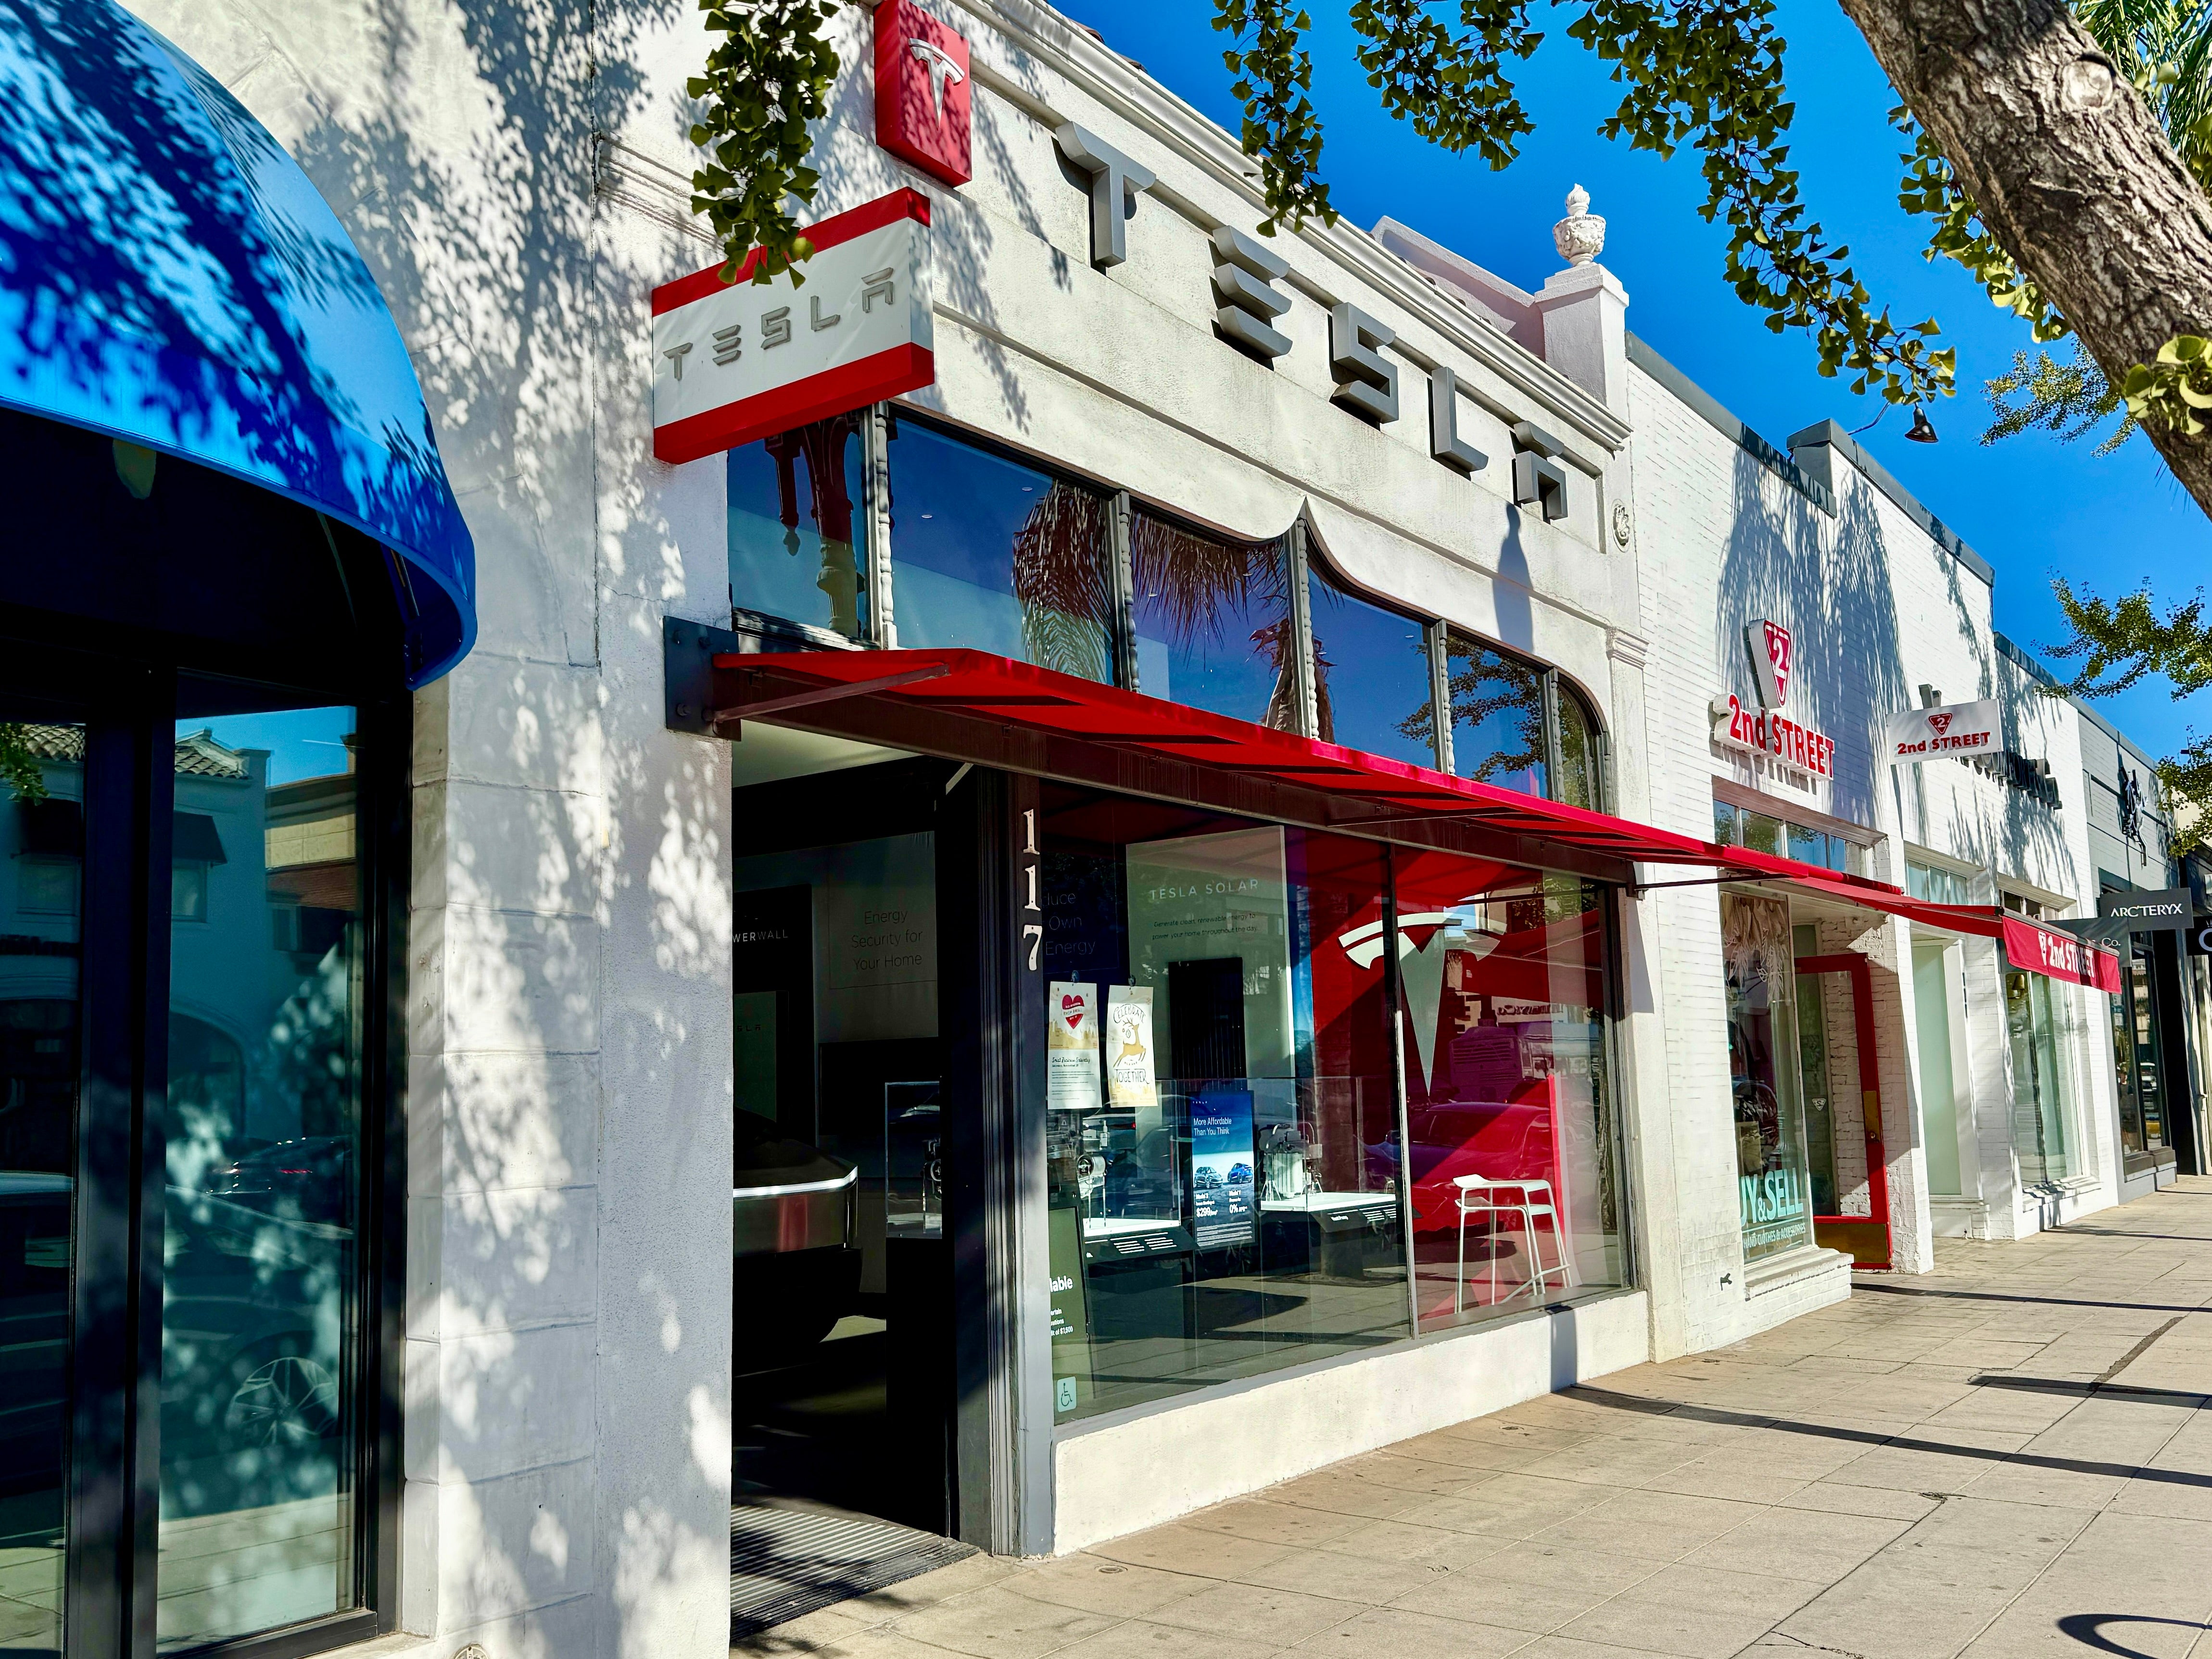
<point>883,626</point>
<point>1440,705</point>
<point>1121,519</point>
<point>1302,644</point>
<point>1555,771</point>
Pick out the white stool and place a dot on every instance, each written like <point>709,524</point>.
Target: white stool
<point>1528,1199</point>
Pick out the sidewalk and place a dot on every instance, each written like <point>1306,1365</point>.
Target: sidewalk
<point>2009,1456</point>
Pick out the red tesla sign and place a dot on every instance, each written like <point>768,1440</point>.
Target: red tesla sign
<point>922,91</point>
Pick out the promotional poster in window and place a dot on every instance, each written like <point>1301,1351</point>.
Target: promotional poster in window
<point>1224,1209</point>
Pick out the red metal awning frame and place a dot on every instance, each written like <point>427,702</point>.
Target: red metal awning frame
<point>751,685</point>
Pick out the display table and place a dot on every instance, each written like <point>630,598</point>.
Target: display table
<point>1341,1234</point>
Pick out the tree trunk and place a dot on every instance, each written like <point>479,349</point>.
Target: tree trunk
<point>2071,172</point>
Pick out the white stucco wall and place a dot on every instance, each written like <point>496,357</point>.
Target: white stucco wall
<point>516,176</point>
<point>1126,1473</point>
<point>567,1363</point>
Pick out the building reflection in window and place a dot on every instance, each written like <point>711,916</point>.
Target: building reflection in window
<point>41,859</point>
<point>1581,757</point>
<point>1758,961</point>
<point>994,556</point>
<point>260,1338</point>
<point>798,541</point>
<point>1510,1109</point>
<point>1371,683</point>
<point>1498,717</point>
<point>1212,621</point>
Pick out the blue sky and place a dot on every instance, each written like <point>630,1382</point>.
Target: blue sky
<point>2032,506</point>
<point>302,742</point>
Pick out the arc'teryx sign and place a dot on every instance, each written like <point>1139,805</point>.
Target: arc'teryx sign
<point>733,362</point>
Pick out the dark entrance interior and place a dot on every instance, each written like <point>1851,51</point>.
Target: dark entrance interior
<point>843,1475</point>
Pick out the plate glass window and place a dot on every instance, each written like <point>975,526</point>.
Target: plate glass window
<point>260,1311</point>
<point>1222,1168</point>
<point>1371,683</point>
<point>1582,755</point>
<point>1758,962</point>
<point>2039,1088</point>
<point>1212,621</point>
<point>1497,718</point>
<point>1509,1111</point>
<point>797,532</point>
<point>994,555</point>
<point>42,847</point>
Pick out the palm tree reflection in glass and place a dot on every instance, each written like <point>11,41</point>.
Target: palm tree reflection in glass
<point>1060,583</point>
<point>1193,594</point>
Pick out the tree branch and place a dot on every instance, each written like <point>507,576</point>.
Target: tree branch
<point>2069,172</point>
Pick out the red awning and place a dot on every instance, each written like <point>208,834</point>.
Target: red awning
<point>2028,944</point>
<point>999,689</point>
<point>977,684</point>
<point>2058,956</point>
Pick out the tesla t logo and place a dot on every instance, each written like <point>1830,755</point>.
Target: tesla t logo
<point>923,85</point>
<point>1939,723</point>
<point>937,64</point>
<point>1772,659</point>
<point>1364,944</point>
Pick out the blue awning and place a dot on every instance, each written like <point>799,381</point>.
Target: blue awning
<point>169,276</point>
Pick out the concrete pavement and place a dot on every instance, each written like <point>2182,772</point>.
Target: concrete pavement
<point>2006,1458</point>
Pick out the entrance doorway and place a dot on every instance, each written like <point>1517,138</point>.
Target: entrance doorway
<point>844,1477</point>
<point>1849,1092</point>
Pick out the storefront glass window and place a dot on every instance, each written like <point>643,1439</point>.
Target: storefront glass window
<point>1582,760</point>
<point>1936,886</point>
<point>1222,1141</point>
<point>260,1334</point>
<point>1371,675</point>
<point>1498,717</point>
<point>994,555</point>
<point>1770,1119</point>
<point>1935,983</point>
<point>2135,1043</point>
<point>1516,1189</point>
<point>1213,622</point>
<point>2039,1080</point>
<point>797,532</point>
<point>41,850</point>
<point>1738,826</point>
<point>1814,1061</point>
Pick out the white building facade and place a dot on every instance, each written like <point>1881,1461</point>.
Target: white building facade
<point>1173,844</point>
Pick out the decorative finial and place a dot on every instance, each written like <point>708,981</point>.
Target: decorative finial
<point>1579,237</point>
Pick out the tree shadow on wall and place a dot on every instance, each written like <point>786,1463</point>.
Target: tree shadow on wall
<point>1831,581</point>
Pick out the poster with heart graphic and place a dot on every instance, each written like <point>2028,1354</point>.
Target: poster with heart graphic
<point>1071,1047</point>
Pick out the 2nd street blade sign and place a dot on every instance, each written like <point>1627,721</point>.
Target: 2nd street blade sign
<point>734,362</point>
